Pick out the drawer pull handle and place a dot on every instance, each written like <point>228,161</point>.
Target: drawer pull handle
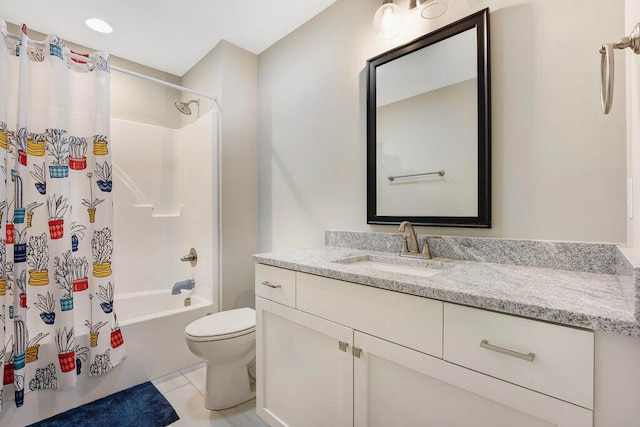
<point>266,283</point>
<point>355,351</point>
<point>528,357</point>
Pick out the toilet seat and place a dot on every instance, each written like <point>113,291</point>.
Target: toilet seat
<point>222,325</point>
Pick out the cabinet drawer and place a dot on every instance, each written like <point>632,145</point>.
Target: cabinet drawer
<point>403,319</point>
<point>562,357</point>
<point>276,284</point>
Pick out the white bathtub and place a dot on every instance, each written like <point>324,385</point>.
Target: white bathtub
<point>136,307</point>
<point>152,325</point>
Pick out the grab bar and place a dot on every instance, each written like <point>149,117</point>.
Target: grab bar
<point>607,66</point>
<point>393,177</point>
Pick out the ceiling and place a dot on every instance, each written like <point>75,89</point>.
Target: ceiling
<point>169,35</point>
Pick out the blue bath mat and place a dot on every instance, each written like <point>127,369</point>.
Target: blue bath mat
<point>140,406</point>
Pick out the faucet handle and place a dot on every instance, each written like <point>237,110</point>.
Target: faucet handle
<point>426,252</point>
<point>191,257</point>
<point>405,245</point>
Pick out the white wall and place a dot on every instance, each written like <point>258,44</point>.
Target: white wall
<point>558,163</point>
<point>231,74</point>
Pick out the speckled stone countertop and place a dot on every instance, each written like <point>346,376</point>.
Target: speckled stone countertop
<point>604,301</point>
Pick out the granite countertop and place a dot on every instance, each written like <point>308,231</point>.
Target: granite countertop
<point>597,301</point>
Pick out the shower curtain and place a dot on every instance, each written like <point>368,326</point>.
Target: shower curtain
<point>56,218</point>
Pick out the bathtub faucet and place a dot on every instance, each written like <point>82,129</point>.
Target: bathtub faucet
<point>185,284</point>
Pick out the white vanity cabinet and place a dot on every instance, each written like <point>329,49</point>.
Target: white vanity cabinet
<point>345,354</point>
<point>395,385</point>
<point>304,368</point>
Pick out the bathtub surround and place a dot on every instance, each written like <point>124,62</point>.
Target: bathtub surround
<point>56,262</point>
<point>167,204</point>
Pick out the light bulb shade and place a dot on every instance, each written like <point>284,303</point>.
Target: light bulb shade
<point>386,21</point>
<point>431,9</point>
<point>99,25</point>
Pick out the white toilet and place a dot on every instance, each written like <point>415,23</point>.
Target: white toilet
<point>226,341</point>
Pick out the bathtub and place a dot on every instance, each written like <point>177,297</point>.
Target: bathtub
<point>152,325</point>
<point>136,307</point>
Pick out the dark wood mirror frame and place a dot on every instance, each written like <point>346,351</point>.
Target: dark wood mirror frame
<point>479,21</point>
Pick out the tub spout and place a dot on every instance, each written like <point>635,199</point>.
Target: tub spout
<point>185,284</point>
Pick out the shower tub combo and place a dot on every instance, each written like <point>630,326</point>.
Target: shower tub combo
<point>167,203</point>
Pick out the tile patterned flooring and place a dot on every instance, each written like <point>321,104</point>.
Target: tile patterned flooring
<point>185,391</point>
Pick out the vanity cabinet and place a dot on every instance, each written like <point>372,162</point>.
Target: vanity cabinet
<point>551,359</point>
<point>395,385</point>
<point>276,284</point>
<point>304,368</point>
<point>344,354</point>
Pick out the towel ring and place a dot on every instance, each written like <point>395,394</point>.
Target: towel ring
<point>607,65</point>
<point>607,69</point>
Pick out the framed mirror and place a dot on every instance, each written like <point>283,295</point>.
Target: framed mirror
<point>429,129</point>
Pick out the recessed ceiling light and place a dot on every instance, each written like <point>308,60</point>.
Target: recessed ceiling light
<point>99,25</point>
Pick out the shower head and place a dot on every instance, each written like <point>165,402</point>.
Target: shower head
<point>183,107</point>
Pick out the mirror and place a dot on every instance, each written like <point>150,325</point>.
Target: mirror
<point>428,129</point>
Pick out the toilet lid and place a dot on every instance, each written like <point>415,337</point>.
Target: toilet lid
<point>222,325</point>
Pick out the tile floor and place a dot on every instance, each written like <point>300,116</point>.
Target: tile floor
<point>185,391</point>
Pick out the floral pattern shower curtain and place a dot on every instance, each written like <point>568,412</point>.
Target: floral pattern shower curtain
<point>56,218</point>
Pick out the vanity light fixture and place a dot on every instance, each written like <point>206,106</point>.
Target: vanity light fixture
<point>99,25</point>
<point>388,17</point>
<point>386,21</point>
<point>431,9</point>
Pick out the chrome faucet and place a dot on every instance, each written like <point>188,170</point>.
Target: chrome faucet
<point>414,249</point>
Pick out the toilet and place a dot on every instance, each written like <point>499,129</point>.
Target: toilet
<point>226,341</point>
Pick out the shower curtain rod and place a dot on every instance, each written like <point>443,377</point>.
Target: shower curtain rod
<point>83,58</point>
<point>164,83</point>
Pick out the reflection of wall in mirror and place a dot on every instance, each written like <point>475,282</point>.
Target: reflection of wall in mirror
<point>426,133</point>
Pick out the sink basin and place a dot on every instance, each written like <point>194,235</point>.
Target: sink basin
<point>395,268</point>
<point>414,267</point>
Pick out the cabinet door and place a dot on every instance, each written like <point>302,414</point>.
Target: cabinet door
<point>304,378</point>
<point>394,385</point>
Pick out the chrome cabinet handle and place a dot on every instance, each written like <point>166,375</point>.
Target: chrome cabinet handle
<point>266,283</point>
<point>528,357</point>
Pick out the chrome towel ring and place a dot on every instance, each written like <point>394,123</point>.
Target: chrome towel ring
<point>607,65</point>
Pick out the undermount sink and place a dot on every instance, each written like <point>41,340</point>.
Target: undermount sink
<point>414,267</point>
